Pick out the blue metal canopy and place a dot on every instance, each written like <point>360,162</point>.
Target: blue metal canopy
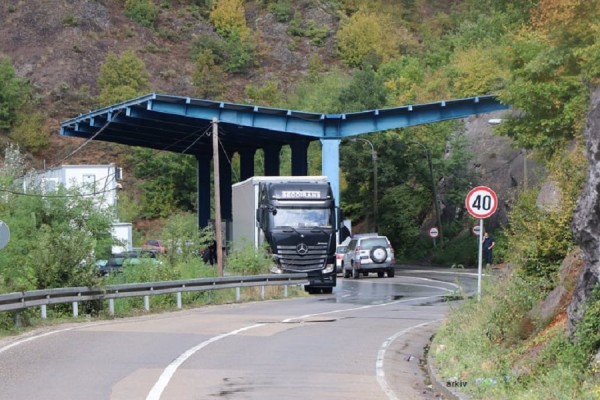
<point>182,125</point>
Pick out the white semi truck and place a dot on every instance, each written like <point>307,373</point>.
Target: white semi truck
<point>296,216</point>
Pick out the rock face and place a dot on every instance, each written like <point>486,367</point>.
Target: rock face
<point>499,165</point>
<point>586,222</point>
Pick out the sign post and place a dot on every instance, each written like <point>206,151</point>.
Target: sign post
<point>481,203</point>
<point>434,232</point>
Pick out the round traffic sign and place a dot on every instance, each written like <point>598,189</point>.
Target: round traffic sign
<point>476,230</point>
<point>434,232</point>
<point>481,202</point>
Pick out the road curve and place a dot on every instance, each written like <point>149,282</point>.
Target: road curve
<point>361,342</point>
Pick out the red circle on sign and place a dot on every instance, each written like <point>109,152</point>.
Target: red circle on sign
<point>481,202</point>
<point>434,232</point>
<point>475,230</point>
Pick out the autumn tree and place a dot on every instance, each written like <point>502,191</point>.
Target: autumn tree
<point>228,16</point>
<point>367,37</point>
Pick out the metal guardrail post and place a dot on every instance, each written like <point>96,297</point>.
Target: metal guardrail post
<point>75,309</point>
<point>179,300</point>
<point>44,313</point>
<point>262,292</point>
<point>285,291</point>
<point>147,303</point>
<point>237,294</point>
<point>111,307</point>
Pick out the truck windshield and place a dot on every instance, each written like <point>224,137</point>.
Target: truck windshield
<point>299,218</point>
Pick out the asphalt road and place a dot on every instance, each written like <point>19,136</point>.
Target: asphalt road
<point>364,341</point>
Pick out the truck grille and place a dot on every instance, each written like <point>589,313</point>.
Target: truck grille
<point>314,259</point>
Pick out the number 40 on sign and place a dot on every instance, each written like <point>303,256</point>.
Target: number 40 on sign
<point>481,202</point>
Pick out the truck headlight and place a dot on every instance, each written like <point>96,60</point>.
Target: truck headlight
<point>329,268</point>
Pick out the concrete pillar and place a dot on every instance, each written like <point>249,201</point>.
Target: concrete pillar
<point>330,155</point>
<point>246,163</point>
<point>272,159</point>
<point>300,157</point>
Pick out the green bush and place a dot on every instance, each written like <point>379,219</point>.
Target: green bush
<point>144,12</point>
<point>282,10</point>
<point>460,250</point>
<point>30,131</point>
<point>248,261</point>
<point>122,77</point>
<point>14,93</point>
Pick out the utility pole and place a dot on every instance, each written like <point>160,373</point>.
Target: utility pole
<point>217,188</point>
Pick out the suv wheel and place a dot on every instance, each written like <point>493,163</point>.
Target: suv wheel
<point>378,254</point>
<point>391,272</point>
<point>347,273</point>
<point>355,273</point>
<point>380,274</point>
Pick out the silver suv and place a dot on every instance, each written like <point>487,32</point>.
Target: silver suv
<point>369,254</point>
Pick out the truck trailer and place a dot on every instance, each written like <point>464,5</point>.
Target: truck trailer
<point>296,217</point>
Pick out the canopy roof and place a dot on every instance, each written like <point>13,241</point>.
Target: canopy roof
<point>181,124</point>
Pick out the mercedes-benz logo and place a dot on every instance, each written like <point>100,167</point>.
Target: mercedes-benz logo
<point>302,249</point>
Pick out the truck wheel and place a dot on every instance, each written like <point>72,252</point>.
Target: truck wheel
<point>378,254</point>
<point>355,273</point>
<point>391,272</point>
<point>328,290</point>
<point>380,274</point>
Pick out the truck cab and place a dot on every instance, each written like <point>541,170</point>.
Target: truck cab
<point>300,221</point>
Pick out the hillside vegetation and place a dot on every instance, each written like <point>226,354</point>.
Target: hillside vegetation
<point>542,57</point>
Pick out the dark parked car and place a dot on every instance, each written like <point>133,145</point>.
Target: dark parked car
<point>116,263</point>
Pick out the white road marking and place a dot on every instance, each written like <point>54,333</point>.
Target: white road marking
<point>31,338</point>
<point>168,372</point>
<point>379,372</point>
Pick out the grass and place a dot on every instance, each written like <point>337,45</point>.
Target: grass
<point>244,262</point>
<point>502,352</point>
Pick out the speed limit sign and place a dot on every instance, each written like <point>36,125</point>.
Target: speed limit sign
<point>481,202</point>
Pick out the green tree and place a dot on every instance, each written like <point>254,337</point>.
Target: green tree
<point>208,78</point>
<point>122,77</point>
<point>144,12</point>
<point>30,131</point>
<point>168,181</point>
<point>54,236</point>
<point>366,91</point>
<point>14,92</point>
<point>548,80</point>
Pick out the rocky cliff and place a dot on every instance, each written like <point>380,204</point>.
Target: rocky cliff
<point>586,222</point>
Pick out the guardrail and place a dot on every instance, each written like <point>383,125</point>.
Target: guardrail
<point>42,298</point>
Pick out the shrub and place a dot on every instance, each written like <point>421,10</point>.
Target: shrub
<point>122,77</point>
<point>208,78</point>
<point>144,12</point>
<point>13,93</point>
<point>30,131</point>
<point>248,261</point>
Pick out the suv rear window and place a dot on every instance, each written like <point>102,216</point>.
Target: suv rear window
<point>367,244</point>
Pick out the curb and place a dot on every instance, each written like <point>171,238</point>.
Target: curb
<point>440,386</point>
